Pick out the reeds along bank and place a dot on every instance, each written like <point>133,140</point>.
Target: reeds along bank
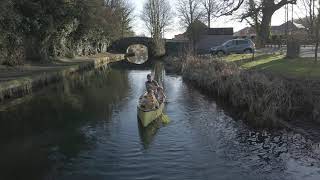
<point>263,100</point>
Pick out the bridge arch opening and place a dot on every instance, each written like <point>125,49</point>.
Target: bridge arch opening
<point>137,53</point>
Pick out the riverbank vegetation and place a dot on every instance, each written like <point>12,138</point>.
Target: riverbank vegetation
<point>263,99</point>
<point>41,30</point>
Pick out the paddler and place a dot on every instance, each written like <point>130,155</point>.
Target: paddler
<point>151,84</point>
<point>160,95</point>
<point>149,101</point>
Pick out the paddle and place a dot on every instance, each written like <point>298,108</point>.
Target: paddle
<point>165,119</point>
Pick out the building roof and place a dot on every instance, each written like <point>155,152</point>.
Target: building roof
<point>209,31</point>
<point>275,30</point>
<point>247,31</point>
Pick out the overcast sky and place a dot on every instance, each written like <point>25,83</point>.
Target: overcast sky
<point>139,27</point>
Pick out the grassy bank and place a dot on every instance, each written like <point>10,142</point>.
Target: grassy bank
<point>263,99</point>
<point>277,64</point>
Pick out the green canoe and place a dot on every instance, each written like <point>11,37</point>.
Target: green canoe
<point>146,117</point>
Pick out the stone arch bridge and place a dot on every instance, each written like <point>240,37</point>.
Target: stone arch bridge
<point>121,45</point>
<point>171,46</point>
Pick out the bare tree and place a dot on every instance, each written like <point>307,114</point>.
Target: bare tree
<point>307,17</point>
<point>253,16</point>
<point>227,7</point>
<point>210,9</point>
<point>157,15</point>
<point>263,9</point>
<point>266,8</point>
<point>317,34</point>
<point>189,12</point>
<point>310,20</point>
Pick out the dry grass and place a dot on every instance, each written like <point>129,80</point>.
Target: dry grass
<point>262,99</point>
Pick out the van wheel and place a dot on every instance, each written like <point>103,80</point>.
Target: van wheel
<point>248,51</point>
<point>220,53</point>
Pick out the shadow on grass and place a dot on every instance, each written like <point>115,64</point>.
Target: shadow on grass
<point>247,58</point>
<point>303,67</point>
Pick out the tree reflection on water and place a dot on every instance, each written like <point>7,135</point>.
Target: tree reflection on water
<point>47,127</point>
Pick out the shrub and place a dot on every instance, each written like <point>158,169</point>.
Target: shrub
<point>70,54</point>
<point>13,58</point>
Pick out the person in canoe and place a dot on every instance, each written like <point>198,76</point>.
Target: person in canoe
<point>148,101</point>
<point>151,84</point>
<point>160,95</point>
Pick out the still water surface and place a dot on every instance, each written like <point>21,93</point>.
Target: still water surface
<point>87,128</point>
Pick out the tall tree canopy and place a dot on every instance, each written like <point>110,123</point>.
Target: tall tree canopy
<point>41,29</point>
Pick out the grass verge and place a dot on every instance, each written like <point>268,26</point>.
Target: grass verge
<point>278,64</point>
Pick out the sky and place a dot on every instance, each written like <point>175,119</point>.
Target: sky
<point>140,28</point>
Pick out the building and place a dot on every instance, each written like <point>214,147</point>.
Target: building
<point>208,37</point>
<point>277,32</point>
<point>213,37</point>
<point>180,37</point>
<point>247,32</point>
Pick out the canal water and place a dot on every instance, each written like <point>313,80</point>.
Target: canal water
<point>86,127</point>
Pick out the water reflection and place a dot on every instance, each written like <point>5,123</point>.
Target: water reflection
<point>148,133</point>
<point>137,53</point>
<point>49,128</point>
<point>158,73</point>
<point>87,128</point>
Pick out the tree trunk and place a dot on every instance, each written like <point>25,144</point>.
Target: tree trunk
<point>311,16</point>
<point>317,36</point>
<point>263,33</point>
<point>316,52</point>
<point>317,42</point>
<point>193,39</point>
